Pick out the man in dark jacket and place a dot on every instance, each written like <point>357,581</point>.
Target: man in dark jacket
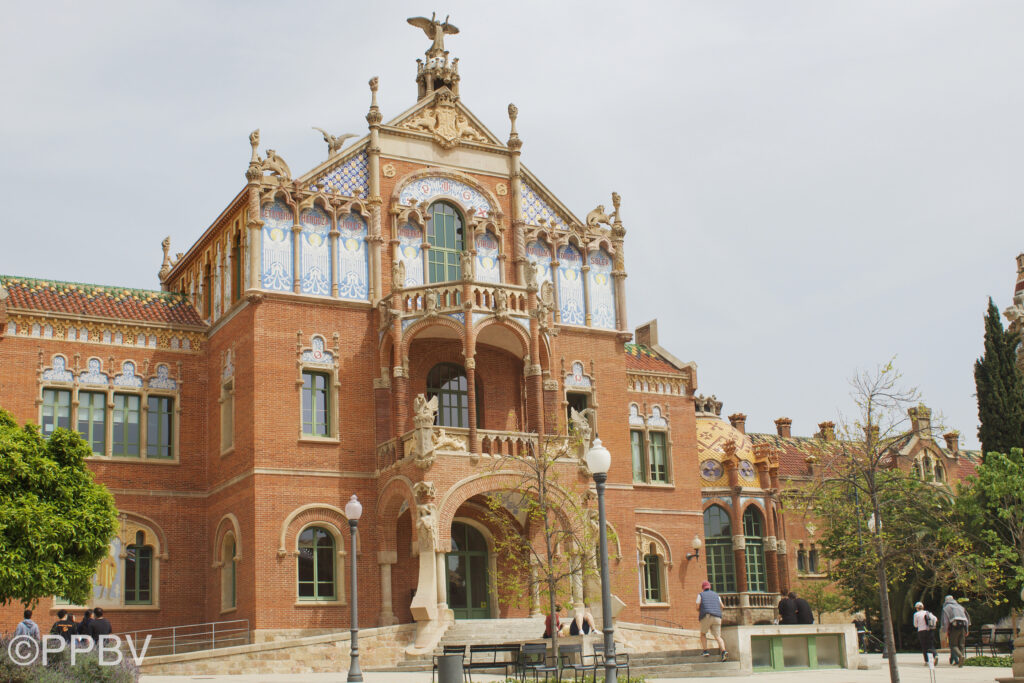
<point>787,610</point>
<point>65,626</point>
<point>804,615</point>
<point>83,625</point>
<point>99,626</point>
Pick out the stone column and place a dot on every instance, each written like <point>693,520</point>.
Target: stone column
<point>535,610</point>
<point>586,288</point>
<point>515,173</point>
<point>386,558</point>
<point>442,583</point>
<point>254,225</point>
<point>619,269</point>
<point>332,238</point>
<point>296,251</point>
<point>374,239</point>
<point>533,371</point>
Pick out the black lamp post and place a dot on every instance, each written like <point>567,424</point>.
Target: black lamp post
<point>353,510</point>
<point>599,460</point>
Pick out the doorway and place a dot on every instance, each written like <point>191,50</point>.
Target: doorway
<point>468,587</point>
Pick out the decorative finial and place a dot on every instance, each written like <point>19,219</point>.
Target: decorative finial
<point>165,267</point>
<point>435,30</point>
<point>374,117</point>
<point>254,142</point>
<point>513,137</point>
<point>334,142</point>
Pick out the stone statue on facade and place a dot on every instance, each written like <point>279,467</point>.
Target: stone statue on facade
<point>254,142</point>
<point>334,142</point>
<point>616,200</point>
<point>448,442</point>
<point>500,303</point>
<point>597,217</point>
<point>276,165</point>
<point>435,30</point>
<point>424,410</point>
<point>165,267</point>
<point>426,527</point>
<point>531,275</point>
<point>430,301</point>
<point>397,275</point>
<point>466,263</point>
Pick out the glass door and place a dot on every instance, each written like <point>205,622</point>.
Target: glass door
<point>468,594</point>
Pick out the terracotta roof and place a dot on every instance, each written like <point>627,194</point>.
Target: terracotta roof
<point>641,358</point>
<point>794,450</point>
<point>144,305</point>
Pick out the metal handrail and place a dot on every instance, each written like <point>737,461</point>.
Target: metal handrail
<point>655,621</point>
<point>191,637</point>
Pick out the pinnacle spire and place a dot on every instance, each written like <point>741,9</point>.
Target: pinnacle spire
<point>437,70</point>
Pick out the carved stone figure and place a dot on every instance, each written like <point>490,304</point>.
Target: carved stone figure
<point>430,301</point>
<point>596,217</point>
<point>165,267</point>
<point>581,425</point>
<point>435,30</point>
<point>426,527</point>
<point>531,275</point>
<point>445,121</point>
<point>276,165</point>
<point>425,491</point>
<point>616,200</point>
<point>424,410</point>
<point>397,274</point>
<point>334,142</point>
<point>500,303</point>
<point>448,442</point>
<point>386,316</point>
<point>254,142</point>
<point>466,262</point>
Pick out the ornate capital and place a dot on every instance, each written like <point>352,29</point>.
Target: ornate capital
<point>739,542</point>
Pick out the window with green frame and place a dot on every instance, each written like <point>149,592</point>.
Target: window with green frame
<point>229,575</point>
<point>445,234</point>
<point>718,549</point>
<point>659,468</point>
<point>56,410</point>
<point>315,403</point>
<point>159,423</point>
<point>138,572</point>
<point>448,382</point>
<point>126,425</point>
<point>636,440</point>
<point>316,565</point>
<point>92,420</point>
<point>652,578</point>
<point>753,532</point>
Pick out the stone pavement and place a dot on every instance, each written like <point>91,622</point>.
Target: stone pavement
<point>912,670</point>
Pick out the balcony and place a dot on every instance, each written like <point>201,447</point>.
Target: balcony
<point>459,297</point>
<point>425,445</point>
<point>748,607</point>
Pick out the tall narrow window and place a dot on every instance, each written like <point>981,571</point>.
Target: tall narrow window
<point>207,292</point>
<point>315,401</point>
<point>636,439</point>
<point>236,269</point>
<point>444,233</point>
<point>126,425</point>
<point>753,530</point>
<point>718,544</point>
<point>56,410</point>
<point>801,559</point>
<point>159,437</point>
<point>659,468</point>
<point>229,575</point>
<point>227,416</point>
<point>812,560</point>
<point>652,577</point>
<point>138,572</point>
<point>448,382</point>
<point>316,565</point>
<point>92,420</point>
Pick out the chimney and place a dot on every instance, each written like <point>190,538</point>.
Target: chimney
<point>647,334</point>
<point>738,422</point>
<point>784,426</point>
<point>921,420</point>
<point>827,430</point>
<point>952,441</point>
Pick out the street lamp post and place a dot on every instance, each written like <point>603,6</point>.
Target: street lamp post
<point>599,460</point>
<point>353,510</point>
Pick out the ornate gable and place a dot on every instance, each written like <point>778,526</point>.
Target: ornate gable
<point>446,121</point>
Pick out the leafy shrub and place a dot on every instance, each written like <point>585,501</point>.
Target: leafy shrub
<point>87,669</point>
<point>1002,660</point>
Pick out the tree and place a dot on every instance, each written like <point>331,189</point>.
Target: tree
<point>545,533</point>
<point>1000,388</point>
<point>55,521</point>
<point>823,597</point>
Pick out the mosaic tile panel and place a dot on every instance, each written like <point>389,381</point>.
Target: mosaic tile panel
<point>535,209</point>
<point>427,189</point>
<point>318,354</point>
<point>315,252</point>
<point>162,379</point>
<point>127,377</point>
<point>59,372</point>
<point>353,259</point>
<point>570,286</point>
<point>93,375</point>
<point>277,246</point>
<point>487,263</point>
<point>602,294</point>
<point>538,252</point>
<point>351,178</point>
<point>410,241</point>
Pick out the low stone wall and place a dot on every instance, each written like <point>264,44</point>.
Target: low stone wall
<point>378,648</point>
<point>737,639</point>
<point>279,634</point>
<point>647,638</point>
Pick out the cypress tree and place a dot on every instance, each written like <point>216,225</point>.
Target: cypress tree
<point>1000,388</point>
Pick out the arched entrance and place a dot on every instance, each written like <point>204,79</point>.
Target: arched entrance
<point>468,587</point>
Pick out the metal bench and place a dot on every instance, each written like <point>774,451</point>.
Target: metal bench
<point>621,658</point>
<point>487,657</point>
<point>534,659</point>
<point>571,657</point>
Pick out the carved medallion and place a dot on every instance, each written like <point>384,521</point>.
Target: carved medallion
<point>501,189</point>
<point>389,171</point>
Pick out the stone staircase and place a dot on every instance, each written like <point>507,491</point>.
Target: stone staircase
<point>665,664</point>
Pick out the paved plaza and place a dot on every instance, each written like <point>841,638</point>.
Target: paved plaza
<point>912,670</point>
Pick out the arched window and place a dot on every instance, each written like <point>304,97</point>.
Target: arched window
<point>652,576</point>
<point>718,544</point>
<point>316,564</point>
<point>940,473</point>
<point>445,234</point>
<point>228,574</point>
<point>753,531</point>
<point>915,470</point>
<point>448,382</point>
<point>138,572</point>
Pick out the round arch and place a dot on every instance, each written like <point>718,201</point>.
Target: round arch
<point>398,490</point>
<point>511,325</point>
<point>228,523</point>
<point>493,208</point>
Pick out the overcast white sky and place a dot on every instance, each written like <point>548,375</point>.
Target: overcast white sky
<point>809,187</point>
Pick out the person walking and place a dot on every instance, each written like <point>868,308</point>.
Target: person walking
<point>709,610</point>
<point>65,626</point>
<point>787,609</point>
<point>924,622</point>
<point>955,623</point>
<point>804,615</point>
<point>27,627</point>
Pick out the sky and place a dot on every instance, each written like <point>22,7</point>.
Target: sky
<point>809,188</point>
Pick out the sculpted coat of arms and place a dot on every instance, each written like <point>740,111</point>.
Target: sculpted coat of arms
<point>448,125</point>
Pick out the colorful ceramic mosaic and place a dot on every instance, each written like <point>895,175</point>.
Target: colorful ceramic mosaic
<point>635,418</point>
<point>318,355</point>
<point>315,254</point>
<point>410,241</point>
<point>59,371</point>
<point>538,252</point>
<point>277,246</point>
<point>487,263</point>
<point>577,378</point>
<point>427,189</point>
<point>656,419</point>
<point>351,178</point>
<point>570,286</point>
<point>536,209</point>
<point>93,375</point>
<point>711,470</point>
<point>162,379</point>
<point>353,259</point>
<point>128,378</point>
<point>602,294</point>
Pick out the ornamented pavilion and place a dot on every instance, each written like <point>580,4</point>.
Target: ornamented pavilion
<point>387,324</point>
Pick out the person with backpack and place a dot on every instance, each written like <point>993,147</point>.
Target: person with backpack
<point>65,626</point>
<point>955,623</point>
<point>99,626</point>
<point>924,622</point>
<point>27,627</point>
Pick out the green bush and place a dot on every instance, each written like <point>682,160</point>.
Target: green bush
<point>1002,660</point>
<point>87,669</point>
